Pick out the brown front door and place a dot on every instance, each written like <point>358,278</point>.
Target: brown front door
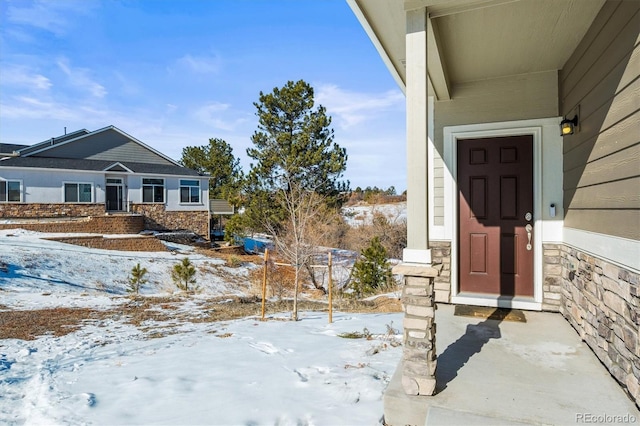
<point>495,185</point>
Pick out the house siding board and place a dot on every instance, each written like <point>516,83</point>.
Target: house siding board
<point>46,186</point>
<point>624,135</point>
<point>612,195</point>
<point>605,47</point>
<point>620,166</point>
<point>602,80</point>
<point>109,145</point>
<point>601,161</point>
<point>607,10</point>
<point>623,223</point>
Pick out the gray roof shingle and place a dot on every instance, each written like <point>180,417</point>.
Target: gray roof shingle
<point>94,165</point>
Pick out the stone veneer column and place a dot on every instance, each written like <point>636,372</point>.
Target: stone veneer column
<point>418,303</point>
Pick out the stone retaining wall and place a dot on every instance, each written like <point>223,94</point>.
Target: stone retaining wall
<point>151,216</point>
<point>602,302</point>
<point>141,243</point>
<point>116,224</point>
<point>39,210</point>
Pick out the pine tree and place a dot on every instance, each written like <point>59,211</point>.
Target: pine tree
<point>372,271</point>
<point>216,160</point>
<point>297,171</point>
<point>137,279</point>
<point>183,274</point>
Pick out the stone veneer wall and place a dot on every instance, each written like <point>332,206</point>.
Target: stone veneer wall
<point>156,218</point>
<point>602,302</point>
<point>418,303</point>
<point>552,276</point>
<point>552,286</point>
<point>441,255</point>
<point>40,210</point>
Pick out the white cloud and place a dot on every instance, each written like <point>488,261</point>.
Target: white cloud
<point>352,108</point>
<point>53,16</point>
<point>25,107</point>
<point>200,64</point>
<point>80,77</point>
<point>22,76</point>
<point>216,114</point>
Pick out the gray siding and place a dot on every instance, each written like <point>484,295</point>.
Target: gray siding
<point>602,159</point>
<point>108,145</point>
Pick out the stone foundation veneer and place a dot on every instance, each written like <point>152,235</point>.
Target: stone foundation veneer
<point>602,302</point>
<point>552,276</point>
<point>441,255</point>
<point>419,353</point>
<point>158,219</point>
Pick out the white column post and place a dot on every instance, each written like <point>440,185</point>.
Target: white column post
<point>417,250</point>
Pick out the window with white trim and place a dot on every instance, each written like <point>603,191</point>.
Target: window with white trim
<point>10,191</point>
<point>152,190</point>
<point>77,192</point>
<point>189,191</point>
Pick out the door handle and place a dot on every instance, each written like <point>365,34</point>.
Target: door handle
<point>528,228</point>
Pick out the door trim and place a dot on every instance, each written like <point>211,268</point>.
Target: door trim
<point>488,130</point>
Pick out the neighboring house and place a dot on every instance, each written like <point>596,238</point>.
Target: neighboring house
<point>502,209</point>
<point>104,172</point>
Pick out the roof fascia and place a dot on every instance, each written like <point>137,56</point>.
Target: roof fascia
<point>43,146</point>
<point>373,36</point>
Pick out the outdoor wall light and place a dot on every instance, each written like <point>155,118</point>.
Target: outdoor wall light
<point>568,126</point>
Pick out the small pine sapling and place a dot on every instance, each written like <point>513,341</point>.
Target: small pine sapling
<point>137,279</point>
<point>372,272</point>
<point>183,274</point>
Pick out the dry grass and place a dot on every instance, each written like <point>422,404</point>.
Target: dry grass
<point>159,316</point>
<point>150,314</point>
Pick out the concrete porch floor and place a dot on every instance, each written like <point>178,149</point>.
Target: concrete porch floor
<point>494,372</point>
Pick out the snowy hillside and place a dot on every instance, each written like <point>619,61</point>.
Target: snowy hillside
<point>172,365</point>
<point>362,214</point>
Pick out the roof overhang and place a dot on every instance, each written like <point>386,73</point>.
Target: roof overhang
<point>476,40</point>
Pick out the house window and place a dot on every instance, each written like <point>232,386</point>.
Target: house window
<point>77,192</point>
<point>152,190</point>
<point>10,191</point>
<point>189,191</point>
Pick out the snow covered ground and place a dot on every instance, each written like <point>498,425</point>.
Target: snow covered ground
<point>241,372</point>
<point>362,214</point>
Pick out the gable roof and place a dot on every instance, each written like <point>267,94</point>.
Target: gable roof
<point>66,146</point>
<point>108,149</point>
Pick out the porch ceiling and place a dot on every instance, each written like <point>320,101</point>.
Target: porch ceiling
<point>476,40</point>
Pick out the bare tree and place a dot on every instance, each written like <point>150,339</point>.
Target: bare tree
<point>292,237</point>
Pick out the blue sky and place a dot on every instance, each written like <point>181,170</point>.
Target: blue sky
<point>176,73</point>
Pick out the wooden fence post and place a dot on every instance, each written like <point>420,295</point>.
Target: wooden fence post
<point>264,280</point>
<point>330,291</point>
